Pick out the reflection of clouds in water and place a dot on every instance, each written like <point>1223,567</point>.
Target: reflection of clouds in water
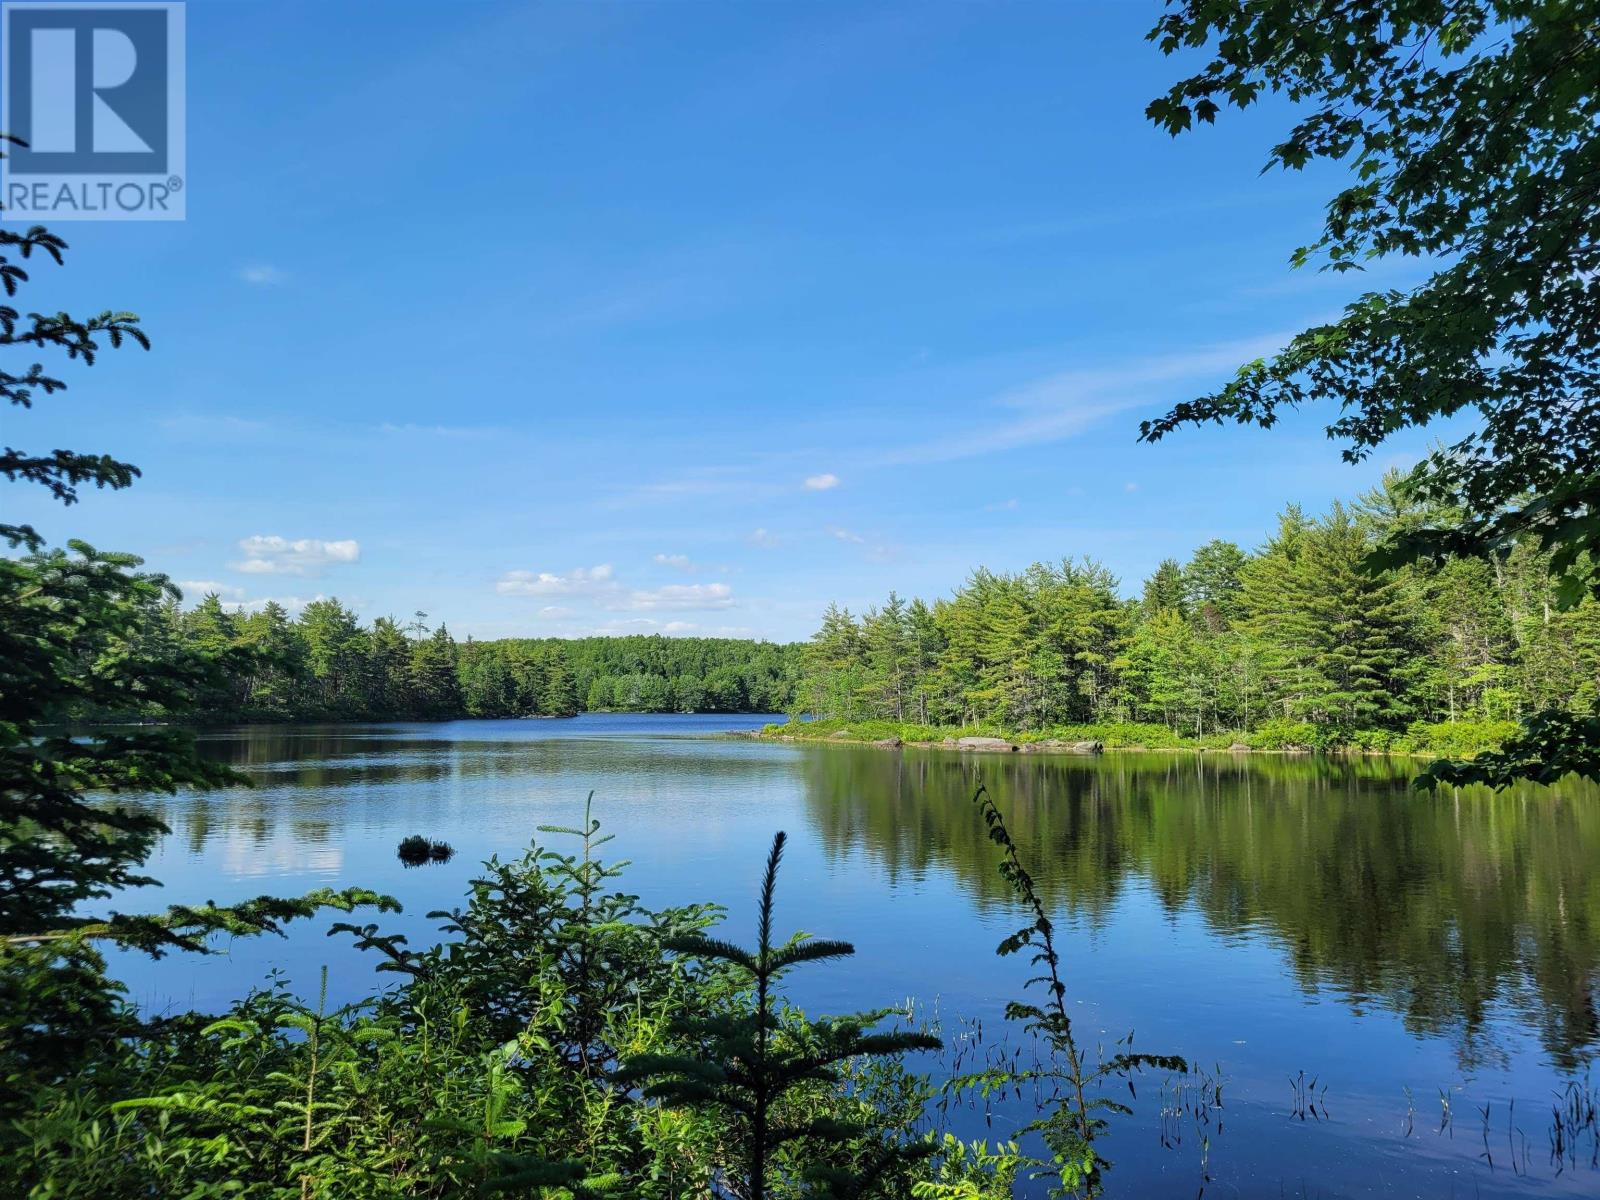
<point>244,857</point>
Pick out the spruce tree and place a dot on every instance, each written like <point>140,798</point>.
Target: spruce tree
<point>752,1061</point>
<point>1362,636</point>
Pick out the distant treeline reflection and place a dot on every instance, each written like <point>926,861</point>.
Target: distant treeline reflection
<point>1437,906</point>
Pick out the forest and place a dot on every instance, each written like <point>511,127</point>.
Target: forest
<point>1293,643</point>
<point>325,665</point>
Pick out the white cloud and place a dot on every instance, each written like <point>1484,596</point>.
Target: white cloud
<point>846,535</point>
<point>263,275</point>
<point>821,483</point>
<point>681,597</point>
<point>579,581</point>
<point>197,589</point>
<point>292,603</point>
<point>1130,486</point>
<point>599,589</point>
<point>1003,506</point>
<point>678,562</point>
<point>273,555</point>
<point>763,538</point>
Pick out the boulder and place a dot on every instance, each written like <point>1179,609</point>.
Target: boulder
<point>888,743</point>
<point>1239,747</point>
<point>1057,746</point>
<point>838,735</point>
<point>983,743</point>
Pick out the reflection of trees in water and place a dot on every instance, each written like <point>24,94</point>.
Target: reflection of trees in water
<point>314,762</point>
<point>1440,907</point>
<point>308,783</point>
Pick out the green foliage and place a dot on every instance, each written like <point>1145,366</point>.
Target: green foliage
<point>1548,747</point>
<point>493,1068</point>
<point>1279,733</point>
<point>1297,645</point>
<point>746,1065</point>
<point>971,1171</point>
<point>1458,739</point>
<point>1472,131</point>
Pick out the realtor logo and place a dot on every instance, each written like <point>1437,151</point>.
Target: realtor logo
<point>96,91</point>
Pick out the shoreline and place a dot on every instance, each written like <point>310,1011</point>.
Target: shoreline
<point>1067,748</point>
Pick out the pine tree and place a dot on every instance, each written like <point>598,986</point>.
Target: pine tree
<point>1211,583</point>
<point>560,687</point>
<point>435,682</point>
<point>1277,615</point>
<point>886,638</point>
<point>1165,590</point>
<point>834,663</point>
<point>1362,630</point>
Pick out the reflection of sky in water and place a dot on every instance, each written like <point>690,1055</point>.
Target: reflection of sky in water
<point>242,857</point>
<point>1266,915</point>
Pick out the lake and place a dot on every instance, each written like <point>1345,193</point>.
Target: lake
<point>1263,916</point>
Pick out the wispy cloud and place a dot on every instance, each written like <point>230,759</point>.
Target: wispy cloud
<point>263,275</point>
<point>821,483</point>
<point>411,429</point>
<point>601,590</point>
<point>268,554</point>
<point>847,535</point>
<point>681,597</point>
<point>1065,404</point>
<point>763,539</point>
<point>678,562</point>
<point>579,581</point>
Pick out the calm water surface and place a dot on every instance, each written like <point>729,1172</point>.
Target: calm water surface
<point>1262,916</point>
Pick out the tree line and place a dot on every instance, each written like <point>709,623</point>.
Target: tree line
<point>1298,634</point>
<point>326,665</point>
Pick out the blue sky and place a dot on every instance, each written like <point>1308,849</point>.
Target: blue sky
<point>550,319</point>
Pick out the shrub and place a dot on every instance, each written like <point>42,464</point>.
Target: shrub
<point>1282,734</point>
<point>1453,739</point>
<point>416,850</point>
